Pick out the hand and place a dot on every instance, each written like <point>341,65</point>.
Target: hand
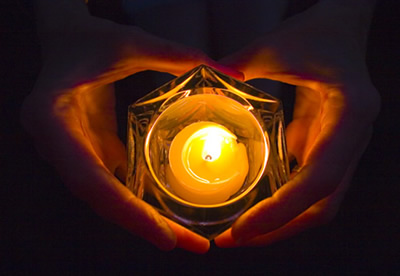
<point>321,51</point>
<point>70,113</point>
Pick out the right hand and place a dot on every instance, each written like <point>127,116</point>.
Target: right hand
<point>70,115</point>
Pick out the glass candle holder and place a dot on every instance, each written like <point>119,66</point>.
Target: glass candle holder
<point>204,148</point>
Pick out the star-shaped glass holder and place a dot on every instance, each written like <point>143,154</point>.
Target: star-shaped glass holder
<point>204,148</point>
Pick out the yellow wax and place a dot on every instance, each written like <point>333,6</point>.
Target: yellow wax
<point>206,163</point>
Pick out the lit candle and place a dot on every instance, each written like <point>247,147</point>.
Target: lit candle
<point>206,163</point>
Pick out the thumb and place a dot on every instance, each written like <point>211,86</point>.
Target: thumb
<point>153,53</point>
<point>263,59</point>
<point>242,61</point>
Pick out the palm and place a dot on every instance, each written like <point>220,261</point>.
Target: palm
<point>334,110</point>
<point>71,116</point>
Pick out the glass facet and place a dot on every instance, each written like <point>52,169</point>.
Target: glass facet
<point>204,148</point>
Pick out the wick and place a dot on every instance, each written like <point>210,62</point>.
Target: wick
<point>208,157</point>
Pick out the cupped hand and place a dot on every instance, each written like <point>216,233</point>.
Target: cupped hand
<point>70,114</point>
<point>321,51</point>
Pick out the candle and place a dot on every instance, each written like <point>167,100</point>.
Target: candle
<point>206,163</point>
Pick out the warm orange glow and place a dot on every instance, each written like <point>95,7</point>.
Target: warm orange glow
<point>206,163</point>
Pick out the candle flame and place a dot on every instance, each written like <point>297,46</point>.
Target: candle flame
<point>213,139</point>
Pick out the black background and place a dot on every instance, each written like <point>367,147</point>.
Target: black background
<point>43,228</point>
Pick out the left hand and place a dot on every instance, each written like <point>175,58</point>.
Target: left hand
<point>322,52</point>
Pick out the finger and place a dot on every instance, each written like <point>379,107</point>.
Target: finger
<point>305,126</point>
<point>254,62</point>
<point>299,135</point>
<point>90,181</point>
<point>225,69</point>
<point>165,56</point>
<point>99,125</point>
<point>293,199</point>
<point>261,61</point>
<point>318,214</point>
<point>226,240</point>
<point>241,61</point>
<point>314,216</point>
<point>112,52</point>
<point>61,140</point>
<point>188,240</point>
<point>308,103</point>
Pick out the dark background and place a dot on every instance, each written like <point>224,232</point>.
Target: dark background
<point>43,228</point>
